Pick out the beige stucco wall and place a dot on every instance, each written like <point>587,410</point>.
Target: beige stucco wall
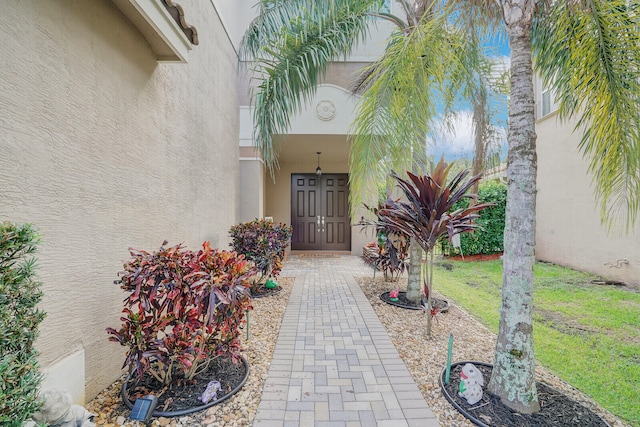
<point>569,231</point>
<point>103,148</point>
<point>252,189</point>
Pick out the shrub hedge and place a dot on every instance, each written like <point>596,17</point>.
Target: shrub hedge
<point>263,243</point>
<point>489,239</point>
<point>20,294</point>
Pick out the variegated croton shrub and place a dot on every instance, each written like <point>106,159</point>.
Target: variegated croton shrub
<point>182,310</point>
<point>263,243</point>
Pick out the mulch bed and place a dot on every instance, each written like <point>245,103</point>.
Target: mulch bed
<point>265,292</point>
<point>479,257</point>
<point>186,396</point>
<point>403,302</point>
<point>557,410</point>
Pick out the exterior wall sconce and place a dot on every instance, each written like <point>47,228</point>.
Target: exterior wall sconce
<point>318,170</point>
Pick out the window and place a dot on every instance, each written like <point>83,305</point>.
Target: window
<point>548,102</point>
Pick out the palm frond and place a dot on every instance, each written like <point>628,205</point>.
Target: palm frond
<point>588,52</point>
<point>294,56</point>
<point>418,73</point>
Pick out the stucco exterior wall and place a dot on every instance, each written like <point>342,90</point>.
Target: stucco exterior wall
<point>569,230</point>
<point>103,148</point>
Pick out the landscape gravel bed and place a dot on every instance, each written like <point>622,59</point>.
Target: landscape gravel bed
<point>425,358</point>
<point>240,409</point>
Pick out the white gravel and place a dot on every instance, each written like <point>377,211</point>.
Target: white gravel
<point>240,409</point>
<point>425,358</point>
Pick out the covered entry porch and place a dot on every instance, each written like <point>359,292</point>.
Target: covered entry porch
<point>317,206</point>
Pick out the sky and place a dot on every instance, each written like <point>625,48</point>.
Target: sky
<point>459,144</point>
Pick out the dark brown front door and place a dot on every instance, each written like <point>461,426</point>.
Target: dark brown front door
<point>320,212</point>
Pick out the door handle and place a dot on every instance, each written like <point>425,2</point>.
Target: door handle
<point>318,223</point>
<point>323,224</point>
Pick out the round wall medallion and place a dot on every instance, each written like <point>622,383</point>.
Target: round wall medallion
<point>325,110</point>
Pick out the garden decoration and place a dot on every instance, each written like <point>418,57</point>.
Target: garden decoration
<point>471,383</point>
<point>263,243</point>
<point>426,214</point>
<point>181,321</point>
<point>211,392</point>
<point>57,410</point>
<point>393,295</point>
<point>464,391</point>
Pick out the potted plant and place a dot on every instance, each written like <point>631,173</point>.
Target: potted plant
<point>426,214</point>
<point>263,243</point>
<point>181,323</point>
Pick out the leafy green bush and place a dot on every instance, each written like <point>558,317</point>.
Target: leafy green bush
<point>489,239</point>
<point>184,308</point>
<point>262,242</point>
<point>19,321</point>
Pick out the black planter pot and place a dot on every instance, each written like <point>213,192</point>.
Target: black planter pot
<point>403,303</point>
<point>183,412</point>
<point>487,399</point>
<point>269,293</point>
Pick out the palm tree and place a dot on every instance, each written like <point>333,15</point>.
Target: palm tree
<point>292,43</point>
<point>588,51</point>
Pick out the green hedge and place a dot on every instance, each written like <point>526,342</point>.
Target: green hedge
<point>19,321</point>
<point>490,239</point>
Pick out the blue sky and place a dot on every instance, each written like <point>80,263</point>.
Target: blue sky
<point>460,143</point>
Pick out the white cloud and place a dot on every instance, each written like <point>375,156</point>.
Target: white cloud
<point>458,140</point>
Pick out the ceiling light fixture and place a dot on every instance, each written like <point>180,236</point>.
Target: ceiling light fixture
<point>318,170</point>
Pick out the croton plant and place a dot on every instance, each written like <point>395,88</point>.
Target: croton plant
<point>263,243</point>
<point>183,309</point>
<point>390,251</point>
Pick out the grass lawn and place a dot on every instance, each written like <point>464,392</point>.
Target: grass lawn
<point>587,334</point>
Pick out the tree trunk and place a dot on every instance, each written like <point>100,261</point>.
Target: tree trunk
<point>414,287</point>
<point>513,377</point>
<point>480,138</point>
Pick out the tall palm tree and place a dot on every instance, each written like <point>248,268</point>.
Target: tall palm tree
<point>588,51</point>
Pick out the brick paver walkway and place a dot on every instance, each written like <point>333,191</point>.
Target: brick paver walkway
<point>334,364</point>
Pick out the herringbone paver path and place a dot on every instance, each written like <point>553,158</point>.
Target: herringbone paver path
<point>334,364</point>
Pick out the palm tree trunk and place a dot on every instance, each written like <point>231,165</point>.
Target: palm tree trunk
<point>414,285</point>
<point>480,138</point>
<point>513,377</point>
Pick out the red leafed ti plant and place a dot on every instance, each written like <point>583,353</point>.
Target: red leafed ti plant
<point>427,213</point>
<point>183,309</point>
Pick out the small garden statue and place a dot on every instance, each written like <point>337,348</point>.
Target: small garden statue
<point>471,382</point>
<point>58,410</point>
<point>393,295</point>
<point>211,392</point>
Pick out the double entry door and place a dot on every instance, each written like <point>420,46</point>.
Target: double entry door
<point>320,212</point>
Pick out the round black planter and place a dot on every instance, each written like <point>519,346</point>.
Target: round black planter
<point>447,396</point>
<point>466,411</point>
<point>271,292</point>
<point>402,302</point>
<point>180,413</point>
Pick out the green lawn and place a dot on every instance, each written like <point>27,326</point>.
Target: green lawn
<point>585,333</point>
